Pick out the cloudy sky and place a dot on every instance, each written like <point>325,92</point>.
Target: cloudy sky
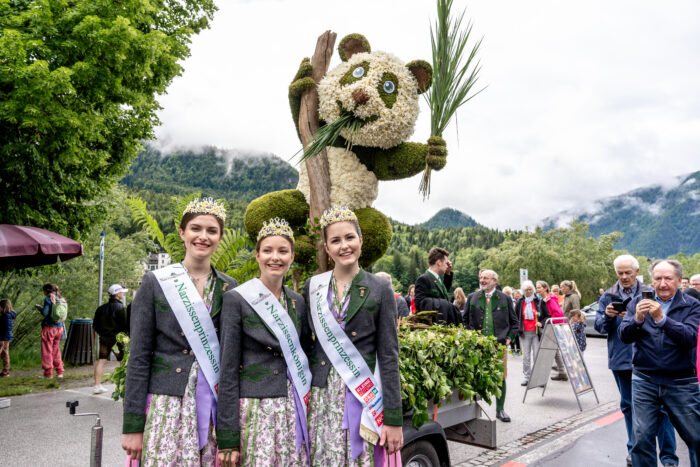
<point>583,100</point>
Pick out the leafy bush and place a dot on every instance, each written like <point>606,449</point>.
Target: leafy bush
<point>435,360</point>
<point>119,375</point>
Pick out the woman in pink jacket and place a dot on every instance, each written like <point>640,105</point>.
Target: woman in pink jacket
<point>555,311</point>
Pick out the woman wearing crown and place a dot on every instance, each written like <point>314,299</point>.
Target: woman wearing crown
<point>174,367</point>
<point>355,410</point>
<point>265,381</point>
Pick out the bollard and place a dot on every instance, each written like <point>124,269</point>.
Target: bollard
<point>96,435</point>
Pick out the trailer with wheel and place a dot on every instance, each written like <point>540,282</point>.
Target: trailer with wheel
<point>456,420</point>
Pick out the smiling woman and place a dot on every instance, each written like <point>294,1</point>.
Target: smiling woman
<point>265,379</point>
<point>353,313</point>
<point>171,365</point>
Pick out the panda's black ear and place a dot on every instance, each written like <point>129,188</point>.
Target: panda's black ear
<point>353,44</point>
<point>423,73</point>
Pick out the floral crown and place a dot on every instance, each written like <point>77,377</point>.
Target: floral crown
<point>337,214</point>
<point>275,226</point>
<point>206,206</point>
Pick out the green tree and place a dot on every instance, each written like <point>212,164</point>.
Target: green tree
<point>78,87</point>
<point>691,264</point>
<point>556,255</point>
<point>233,256</point>
<point>78,280</point>
<point>466,268</point>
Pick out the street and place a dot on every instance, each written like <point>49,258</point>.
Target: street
<point>546,430</point>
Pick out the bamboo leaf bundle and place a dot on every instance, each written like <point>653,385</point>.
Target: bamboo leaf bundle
<point>454,73</point>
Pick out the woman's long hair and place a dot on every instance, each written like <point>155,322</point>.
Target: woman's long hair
<point>460,298</point>
<point>5,305</point>
<point>51,288</point>
<point>572,286</point>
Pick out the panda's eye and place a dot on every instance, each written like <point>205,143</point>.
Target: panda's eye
<point>358,72</point>
<point>389,87</point>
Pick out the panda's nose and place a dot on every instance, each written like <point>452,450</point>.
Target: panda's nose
<point>360,96</point>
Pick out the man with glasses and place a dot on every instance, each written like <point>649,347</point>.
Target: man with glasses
<point>491,311</point>
<point>694,289</point>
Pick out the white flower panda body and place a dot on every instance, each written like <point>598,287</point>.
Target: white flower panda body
<point>379,89</point>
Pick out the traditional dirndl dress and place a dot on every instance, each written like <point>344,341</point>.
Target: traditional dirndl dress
<point>329,434</point>
<point>171,436</point>
<point>268,428</point>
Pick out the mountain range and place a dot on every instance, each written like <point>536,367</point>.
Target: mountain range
<point>657,220</point>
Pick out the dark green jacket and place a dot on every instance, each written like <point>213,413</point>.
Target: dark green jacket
<point>371,326</point>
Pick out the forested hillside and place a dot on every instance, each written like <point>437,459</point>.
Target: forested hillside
<point>449,218</point>
<point>569,252</point>
<point>235,177</point>
<point>655,221</point>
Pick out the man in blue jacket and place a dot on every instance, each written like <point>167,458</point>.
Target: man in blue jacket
<point>664,332</point>
<point>607,321</point>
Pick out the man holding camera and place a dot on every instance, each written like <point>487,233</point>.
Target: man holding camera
<point>612,308</point>
<point>663,328</point>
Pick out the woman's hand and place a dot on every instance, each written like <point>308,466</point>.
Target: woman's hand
<point>229,457</point>
<point>539,325</point>
<point>392,438</point>
<point>132,443</point>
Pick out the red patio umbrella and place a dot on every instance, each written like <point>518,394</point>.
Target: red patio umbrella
<point>23,247</point>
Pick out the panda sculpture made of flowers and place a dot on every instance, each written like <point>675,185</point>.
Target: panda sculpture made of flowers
<point>382,93</point>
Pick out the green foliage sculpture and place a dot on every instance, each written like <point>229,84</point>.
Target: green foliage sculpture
<point>370,102</point>
<point>78,87</point>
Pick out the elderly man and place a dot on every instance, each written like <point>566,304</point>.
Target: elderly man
<point>491,311</point>
<point>431,291</point>
<point>608,319</point>
<point>664,332</point>
<point>694,289</point>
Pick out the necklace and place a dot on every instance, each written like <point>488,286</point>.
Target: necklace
<point>197,279</point>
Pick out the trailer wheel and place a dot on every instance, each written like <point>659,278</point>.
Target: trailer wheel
<point>420,454</point>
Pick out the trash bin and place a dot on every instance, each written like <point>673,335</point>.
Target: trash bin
<point>79,345</point>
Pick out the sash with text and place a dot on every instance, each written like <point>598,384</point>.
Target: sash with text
<point>347,360</point>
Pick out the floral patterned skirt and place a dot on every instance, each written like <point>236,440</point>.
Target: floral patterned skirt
<point>170,436</point>
<point>330,443</point>
<point>268,432</point>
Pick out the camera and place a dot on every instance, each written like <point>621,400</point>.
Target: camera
<point>619,306</point>
<point>648,294</point>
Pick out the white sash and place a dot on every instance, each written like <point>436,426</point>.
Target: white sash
<point>193,316</point>
<point>270,310</point>
<point>347,360</point>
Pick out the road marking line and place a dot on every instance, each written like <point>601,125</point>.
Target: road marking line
<point>608,419</point>
<point>547,448</point>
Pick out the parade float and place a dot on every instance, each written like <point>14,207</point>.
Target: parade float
<point>354,123</point>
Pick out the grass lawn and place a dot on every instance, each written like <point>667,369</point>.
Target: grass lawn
<point>18,385</point>
<point>25,374</point>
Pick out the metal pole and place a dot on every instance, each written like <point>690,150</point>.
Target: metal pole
<point>102,266</point>
<point>99,293</point>
<point>97,434</point>
<point>96,445</point>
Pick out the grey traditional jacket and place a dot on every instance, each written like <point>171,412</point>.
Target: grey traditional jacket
<point>160,357</point>
<point>252,363</point>
<point>371,326</point>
